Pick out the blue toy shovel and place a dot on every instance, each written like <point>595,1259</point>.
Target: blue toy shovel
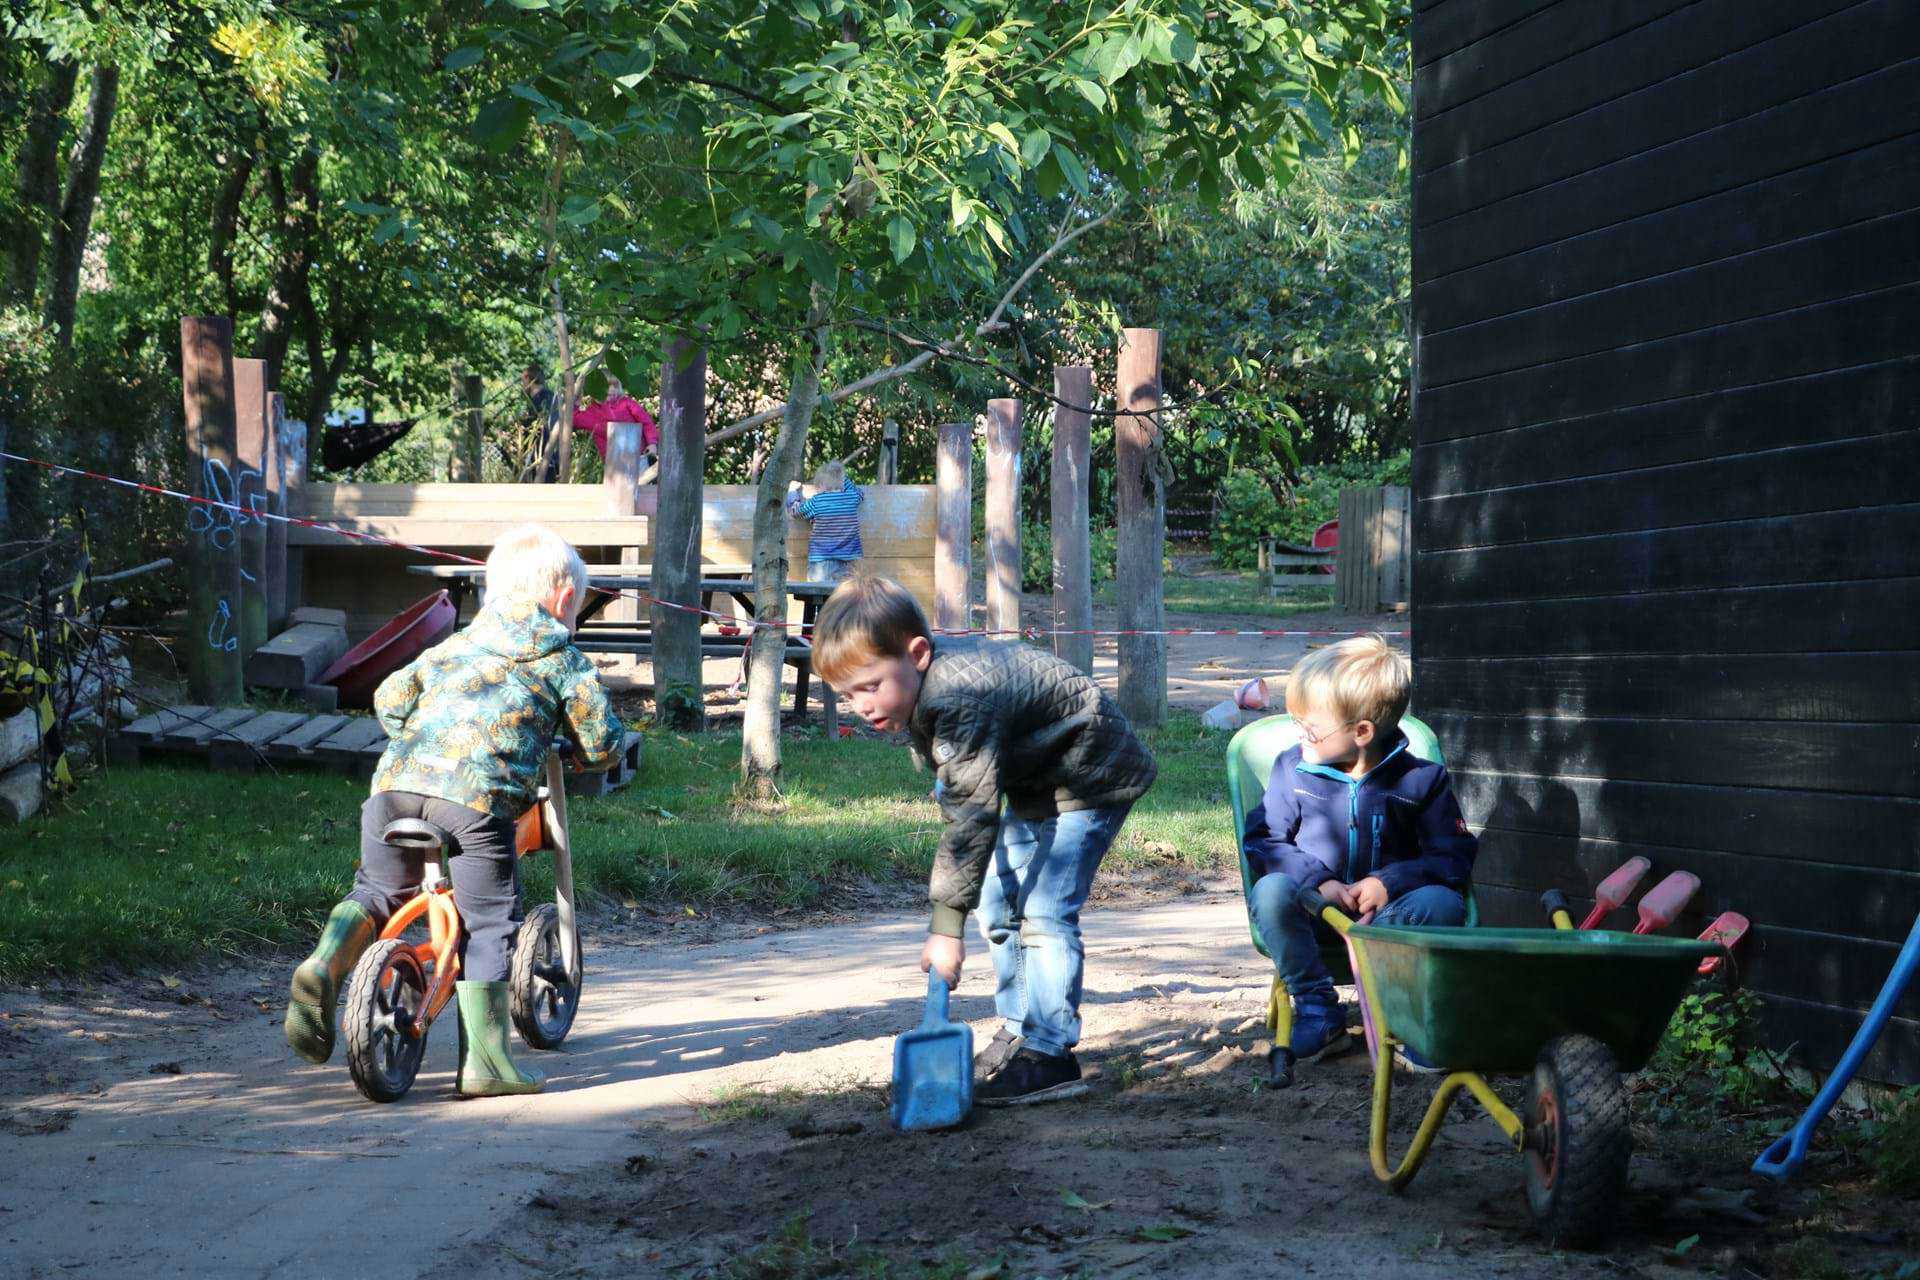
<point>933,1067</point>
<point>1783,1159</point>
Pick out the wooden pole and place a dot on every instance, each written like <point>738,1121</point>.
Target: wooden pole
<point>252,426</point>
<point>474,393</point>
<point>213,624</point>
<point>463,459</point>
<point>276,579</point>
<point>293,466</point>
<point>1140,495</point>
<point>888,470</point>
<point>678,693</point>
<point>1072,548</point>
<point>1003,515</point>
<point>953,528</point>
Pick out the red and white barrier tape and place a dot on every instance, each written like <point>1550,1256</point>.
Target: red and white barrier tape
<point>1030,633</point>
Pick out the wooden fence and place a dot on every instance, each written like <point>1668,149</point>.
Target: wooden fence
<point>1373,566</point>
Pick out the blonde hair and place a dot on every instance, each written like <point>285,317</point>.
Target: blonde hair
<point>1364,678</point>
<point>864,619</point>
<point>830,477</point>
<point>531,561</point>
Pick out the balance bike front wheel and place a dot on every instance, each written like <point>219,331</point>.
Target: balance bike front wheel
<point>1577,1141</point>
<point>545,991</point>
<point>385,1000</point>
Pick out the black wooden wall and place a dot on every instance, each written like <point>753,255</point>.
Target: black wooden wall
<point>1667,478</point>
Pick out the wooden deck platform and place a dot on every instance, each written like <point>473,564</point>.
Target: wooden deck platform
<point>243,739</point>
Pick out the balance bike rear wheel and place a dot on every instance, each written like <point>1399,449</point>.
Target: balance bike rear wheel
<point>1578,1141</point>
<point>384,1001</point>
<point>545,996</point>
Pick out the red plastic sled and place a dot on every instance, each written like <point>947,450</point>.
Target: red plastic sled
<point>409,634</point>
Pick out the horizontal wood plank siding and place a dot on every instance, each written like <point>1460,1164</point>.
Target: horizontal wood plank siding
<point>1667,468</point>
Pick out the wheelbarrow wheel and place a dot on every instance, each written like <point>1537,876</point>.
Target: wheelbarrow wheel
<point>545,994</point>
<point>384,1001</point>
<point>1577,1141</point>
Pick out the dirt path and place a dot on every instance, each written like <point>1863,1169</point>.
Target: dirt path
<point>709,1094</point>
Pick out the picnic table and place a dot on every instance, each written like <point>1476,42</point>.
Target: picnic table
<point>605,582</point>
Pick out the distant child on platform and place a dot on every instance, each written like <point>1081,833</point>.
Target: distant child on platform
<point>1352,812</point>
<point>1037,769</point>
<point>833,545</point>
<point>470,724</point>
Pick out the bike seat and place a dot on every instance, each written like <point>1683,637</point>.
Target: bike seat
<point>416,833</point>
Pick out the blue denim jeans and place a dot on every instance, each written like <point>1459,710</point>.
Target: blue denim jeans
<point>830,570</point>
<point>1290,932</point>
<point>1030,916</point>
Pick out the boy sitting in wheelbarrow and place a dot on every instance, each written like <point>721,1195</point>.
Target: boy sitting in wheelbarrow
<point>1351,812</point>
<point>1004,724</point>
<point>471,723</point>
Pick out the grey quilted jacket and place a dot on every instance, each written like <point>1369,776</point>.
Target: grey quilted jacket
<point>1001,719</point>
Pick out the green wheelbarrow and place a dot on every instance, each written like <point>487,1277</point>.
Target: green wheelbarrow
<point>1572,1009</point>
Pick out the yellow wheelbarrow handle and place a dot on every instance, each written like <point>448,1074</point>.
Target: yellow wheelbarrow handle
<point>1398,1176</point>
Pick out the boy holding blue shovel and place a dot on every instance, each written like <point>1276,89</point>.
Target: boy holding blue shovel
<point>1037,769</point>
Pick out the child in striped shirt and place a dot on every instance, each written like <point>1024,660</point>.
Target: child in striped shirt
<point>833,547</point>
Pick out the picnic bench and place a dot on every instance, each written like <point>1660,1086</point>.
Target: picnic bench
<point>595,634</point>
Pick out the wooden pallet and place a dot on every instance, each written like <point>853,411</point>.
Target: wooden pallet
<point>242,739</point>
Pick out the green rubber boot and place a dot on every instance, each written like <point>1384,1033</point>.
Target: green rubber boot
<point>486,1064</point>
<point>314,993</point>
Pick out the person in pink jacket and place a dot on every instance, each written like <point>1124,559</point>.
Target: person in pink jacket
<point>617,407</point>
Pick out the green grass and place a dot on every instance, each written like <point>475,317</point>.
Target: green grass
<point>161,865</point>
<point>1239,594</point>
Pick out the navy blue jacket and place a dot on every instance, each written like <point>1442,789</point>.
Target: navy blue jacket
<point>1400,823</point>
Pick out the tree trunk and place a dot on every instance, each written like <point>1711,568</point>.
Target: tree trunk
<point>37,182</point>
<point>760,740</point>
<point>561,448</point>
<point>678,698</point>
<point>325,372</point>
<point>296,198</point>
<point>226,223</point>
<point>76,207</point>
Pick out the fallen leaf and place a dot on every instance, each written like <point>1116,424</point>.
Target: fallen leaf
<point>1162,1233</point>
<point>170,982</point>
<point>1074,1200</point>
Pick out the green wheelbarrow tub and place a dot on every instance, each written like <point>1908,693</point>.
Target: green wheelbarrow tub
<point>1487,999</point>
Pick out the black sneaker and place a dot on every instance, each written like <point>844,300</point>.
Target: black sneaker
<point>1031,1077</point>
<point>995,1055</point>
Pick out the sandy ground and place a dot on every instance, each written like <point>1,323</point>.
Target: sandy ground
<point>712,1091</point>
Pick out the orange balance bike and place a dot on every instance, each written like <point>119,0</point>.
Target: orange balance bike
<point>402,982</point>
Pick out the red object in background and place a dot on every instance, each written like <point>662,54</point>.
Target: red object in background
<point>408,635</point>
<point>1327,538</point>
<point>846,731</point>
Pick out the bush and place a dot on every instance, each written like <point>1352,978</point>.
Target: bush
<point>1036,554</point>
<point>1248,512</point>
<point>1316,495</point>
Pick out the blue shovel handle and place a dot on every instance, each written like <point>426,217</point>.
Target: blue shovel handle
<point>1783,1159</point>
<point>936,1002</point>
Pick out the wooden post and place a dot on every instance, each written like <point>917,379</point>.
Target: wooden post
<point>276,479</point>
<point>1003,515</point>
<point>475,395</point>
<point>1396,546</point>
<point>213,623</point>
<point>626,457</point>
<point>463,460</point>
<point>1140,498</point>
<point>252,424</point>
<point>1072,549</point>
<point>888,470</point>
<point>679,525</point>
<point>953,528</point>
<point>293,466</point>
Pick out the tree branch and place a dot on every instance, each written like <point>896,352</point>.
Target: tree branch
<point>929,352</point>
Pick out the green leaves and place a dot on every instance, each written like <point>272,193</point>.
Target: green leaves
<point>901,237</point>
<point>1034,148</point>
<point>1071,169</point>
<point>501,123</point>
<point>462,58</point>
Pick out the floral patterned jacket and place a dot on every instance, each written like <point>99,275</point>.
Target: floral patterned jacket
<point>472,720</point>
